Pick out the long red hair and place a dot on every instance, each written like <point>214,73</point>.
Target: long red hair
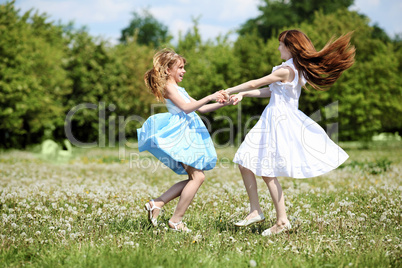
<point>320,68</point>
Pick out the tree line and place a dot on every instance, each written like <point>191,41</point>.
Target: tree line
<point>48,70</point>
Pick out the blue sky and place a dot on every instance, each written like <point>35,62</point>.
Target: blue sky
<point>106,18</point>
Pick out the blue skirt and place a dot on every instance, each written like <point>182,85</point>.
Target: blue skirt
<point>178,138</point>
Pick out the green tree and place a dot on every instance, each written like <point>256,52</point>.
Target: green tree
<point>46,70</point>
<point>32,79</point>
<point>146,30</point>
<point>379,33</point>
<point>87,58</point>
<point>284,13</point>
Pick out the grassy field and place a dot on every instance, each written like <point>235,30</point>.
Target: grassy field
<point>88,212</point>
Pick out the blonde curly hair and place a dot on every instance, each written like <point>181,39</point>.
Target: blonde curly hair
<point>156,78</point>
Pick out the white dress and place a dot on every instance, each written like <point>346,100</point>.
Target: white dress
<point>286,142</point>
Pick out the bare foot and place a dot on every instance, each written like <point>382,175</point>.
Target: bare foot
<point>253,214</point>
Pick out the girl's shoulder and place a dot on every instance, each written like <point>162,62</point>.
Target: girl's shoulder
<point>171,89</point>
<point>287,64</point>
<point>290,66</point>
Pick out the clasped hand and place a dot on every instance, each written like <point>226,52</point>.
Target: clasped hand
<point>224,98</point>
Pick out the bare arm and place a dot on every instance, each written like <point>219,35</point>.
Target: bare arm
<point>213,106</point>
<point>282,74</point>
<point>264,92</point>
<point>258,93</point>
<point>174,96</point>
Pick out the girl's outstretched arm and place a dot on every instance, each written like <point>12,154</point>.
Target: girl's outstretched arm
<point>282,74</point>
<point>258,93</point>
<point>213,106</point>
<point>173,95</point>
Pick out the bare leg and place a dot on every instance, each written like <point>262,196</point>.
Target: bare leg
<point>168,196</point>
<point>196,178</point>
<point>275,190</point>
<point>251,186</point>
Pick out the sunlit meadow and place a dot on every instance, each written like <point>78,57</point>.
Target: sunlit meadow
<point>88,211</point>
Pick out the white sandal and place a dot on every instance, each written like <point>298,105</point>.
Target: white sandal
<point>184,229</point>
<point>150,208</point>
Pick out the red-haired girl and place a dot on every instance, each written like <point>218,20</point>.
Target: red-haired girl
<point>285,142</point>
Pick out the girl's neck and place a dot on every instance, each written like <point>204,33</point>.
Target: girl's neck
<point>173,83</point>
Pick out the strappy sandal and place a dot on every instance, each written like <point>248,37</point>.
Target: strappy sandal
<point>174,228</point>
<point>150,208</point>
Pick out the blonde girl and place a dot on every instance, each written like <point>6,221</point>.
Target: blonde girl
<point>178,138</point>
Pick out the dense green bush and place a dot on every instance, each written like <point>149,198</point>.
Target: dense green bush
<point>48,70</point>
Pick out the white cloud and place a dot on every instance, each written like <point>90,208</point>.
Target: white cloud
<point>214,18</point>
<point>385,13</point>
<point>208,31</point>
<point>166,14</point>
<point>179,26</point>
<point>364,5</point>
<point>84,12</point>
<point>239,10</point>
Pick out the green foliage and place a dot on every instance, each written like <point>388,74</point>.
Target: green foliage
<point>32,78</point>
<point>86,66</point>
<point>146,30</point>
<point>49,70</point>
<point>283,13</point>
<point>376,167</point>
